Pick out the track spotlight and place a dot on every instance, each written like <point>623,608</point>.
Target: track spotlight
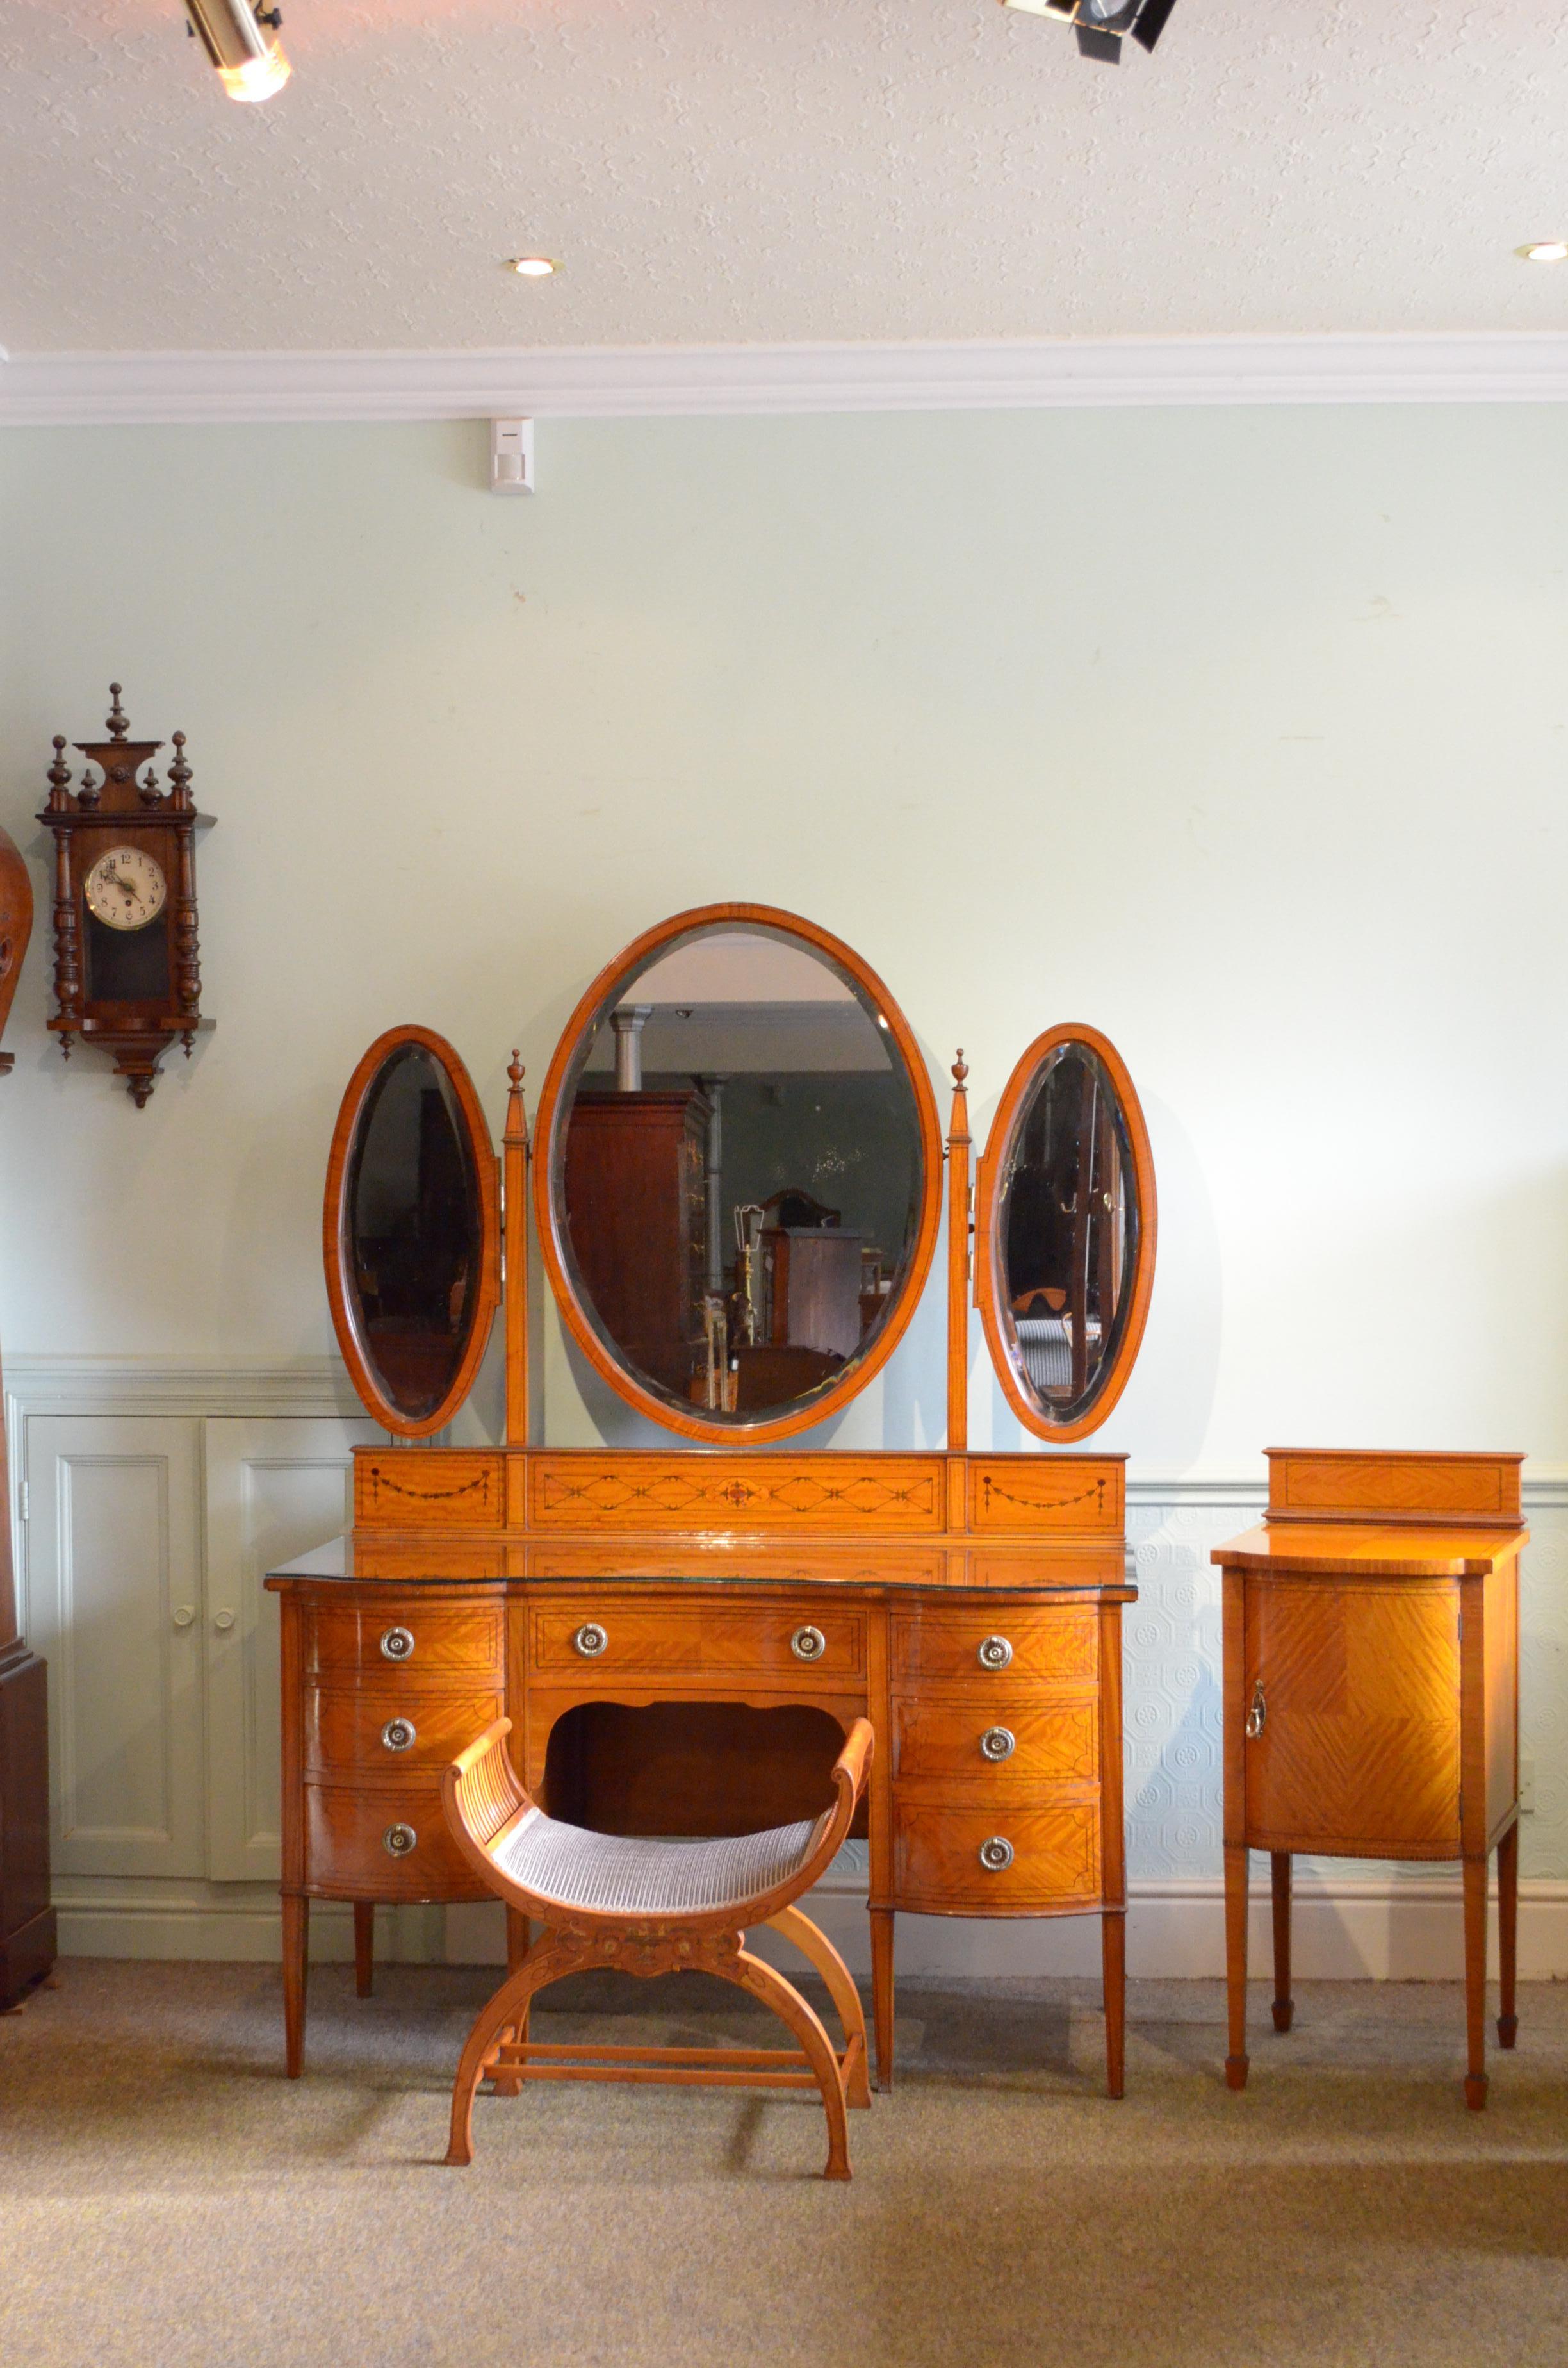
<point>240,38</point>
<point>1103,25</point>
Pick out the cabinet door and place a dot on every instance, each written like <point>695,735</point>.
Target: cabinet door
<point>1359,1748</point>
<point>276,1486</point>
<point>114,1556</point>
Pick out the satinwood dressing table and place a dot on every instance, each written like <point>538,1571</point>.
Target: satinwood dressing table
<point>682,1637</point>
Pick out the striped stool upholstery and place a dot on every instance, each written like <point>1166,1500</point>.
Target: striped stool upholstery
<point>654,1906</point>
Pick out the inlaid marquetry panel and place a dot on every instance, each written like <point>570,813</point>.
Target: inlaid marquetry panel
<point>1044,1742</point>
<point>447,1643</point>
<point>938,1869</point>
<point>412,1488</point>
<point>388,1730</point>
<point>650,1492</point>
<point>716,1638</point>
<point>377,1843</point>
<point>1046,1492</point>
<point>1042,1642</point>
<point>1416,1487</point>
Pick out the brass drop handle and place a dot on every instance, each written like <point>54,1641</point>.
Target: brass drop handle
<point>1258,1712</point>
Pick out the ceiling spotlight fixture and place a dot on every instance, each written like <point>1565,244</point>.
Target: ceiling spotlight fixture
<point>1545,250</point>
<point>533,267</point>
<point>240,38</point>
<point>1103,25</point>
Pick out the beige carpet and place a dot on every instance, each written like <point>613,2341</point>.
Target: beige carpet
<point>167,2197</point>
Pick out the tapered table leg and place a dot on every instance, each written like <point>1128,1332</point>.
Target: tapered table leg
<point>364,1946</point>
<point>296,1951</point>
<point>1236,1966</point>
<point>1113,1966</point>
<point>1475,1873</point>
<point>882,1992</point>
<point>1279,1876</point>
<point>1508,1932</point>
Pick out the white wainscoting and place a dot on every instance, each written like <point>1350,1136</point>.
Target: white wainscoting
<point>155,1489</point>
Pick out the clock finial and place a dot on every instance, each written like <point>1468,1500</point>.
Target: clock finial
<point>179,778</point>
<point>117,724</point>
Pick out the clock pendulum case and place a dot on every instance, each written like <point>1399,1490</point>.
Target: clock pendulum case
<point>126,975</point>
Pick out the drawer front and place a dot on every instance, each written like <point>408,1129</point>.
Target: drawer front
<point>648,1493</point>
<point>462,1645</point>
<point>808,1644</point>
<point>1046,1492</point>
<point>1004,1640</point>
<point>999,1739</point>
<point>392,1730</point>
<point>433,1488</point>
<point>347,1848</point>
<point>1033,1859</point>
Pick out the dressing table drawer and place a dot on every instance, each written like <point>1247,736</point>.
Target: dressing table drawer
<point>382,1729</point>
<point>991,1859</point>
<point>437,1643</point>
<point>1001,1738</point>
<point>384,1843</point>
<point>805,1642</point>
<point>1004,1641</point>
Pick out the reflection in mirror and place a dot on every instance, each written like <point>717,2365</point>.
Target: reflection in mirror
<point>1068,1232</point>
<point>416,1229</point>
<point>739,1170</point>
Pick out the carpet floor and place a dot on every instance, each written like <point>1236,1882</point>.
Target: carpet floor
<point>168,2199</point>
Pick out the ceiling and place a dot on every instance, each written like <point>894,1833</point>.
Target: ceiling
<point>725,171</point>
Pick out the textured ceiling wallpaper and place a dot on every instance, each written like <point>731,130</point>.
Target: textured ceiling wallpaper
<point>717,171</point>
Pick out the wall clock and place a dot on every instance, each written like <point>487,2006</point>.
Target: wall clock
<point>126,974</point>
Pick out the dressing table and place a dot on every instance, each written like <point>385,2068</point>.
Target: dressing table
<point>682,1636</point>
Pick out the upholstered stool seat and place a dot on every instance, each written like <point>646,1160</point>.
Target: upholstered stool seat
<point>650,1907</point>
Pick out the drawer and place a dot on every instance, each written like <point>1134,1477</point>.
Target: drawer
<point>429,1489</point>
<point>347,1847</point>
<point>998,1737</point>
<point>810,1644</point>
<point>584,1491</point>
<point>460,1643</point>
<point>1043,1858</point>
<point>386,1730</point>
<point>1021,1492</point>
<point>1007,1641</point>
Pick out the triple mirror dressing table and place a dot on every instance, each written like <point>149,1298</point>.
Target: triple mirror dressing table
<point>737,1184</point>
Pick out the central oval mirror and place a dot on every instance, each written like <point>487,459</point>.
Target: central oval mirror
<point>738,1173</point>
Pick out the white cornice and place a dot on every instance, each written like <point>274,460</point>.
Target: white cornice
<point>656,381</point>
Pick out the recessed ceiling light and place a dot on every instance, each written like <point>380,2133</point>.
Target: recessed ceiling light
<point>533,267</point>
<point>1545,250</point>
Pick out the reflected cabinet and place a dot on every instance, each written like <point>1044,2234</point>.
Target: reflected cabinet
<point>737,1183</point>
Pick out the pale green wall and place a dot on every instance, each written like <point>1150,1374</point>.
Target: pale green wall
<point>1240,734</point>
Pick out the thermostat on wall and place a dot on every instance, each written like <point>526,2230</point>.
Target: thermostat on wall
<point>511,456</point>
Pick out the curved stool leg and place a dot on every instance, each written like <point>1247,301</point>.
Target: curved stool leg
<point>814,1946</point>
<point>507,2007</point>
<point>791,2008</point>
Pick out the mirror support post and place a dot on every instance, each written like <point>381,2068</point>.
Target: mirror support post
<point>515,1186</point>
<point>959,1148</point>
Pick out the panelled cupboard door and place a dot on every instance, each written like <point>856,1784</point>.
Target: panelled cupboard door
<point>114,1560</point>
<point>276,1485</point>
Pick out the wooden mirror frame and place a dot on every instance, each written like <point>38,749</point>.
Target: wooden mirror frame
<point>334,1215</point>
<point>987,1251</point>
<point>636,956</point>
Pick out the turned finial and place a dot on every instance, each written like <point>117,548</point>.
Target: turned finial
<point>514,1069</point>
<point>59,775</point>
<point>961,1069</point>
<point>147,789</point>
<point>179,776</point>
<point>117,724</point>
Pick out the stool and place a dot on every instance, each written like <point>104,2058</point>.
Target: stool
<point>653,1907</point>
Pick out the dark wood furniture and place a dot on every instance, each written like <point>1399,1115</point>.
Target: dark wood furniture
<point>635,1216</point>
<point>27,1919</point>
<point>638,1906</point>
<point>1372,1672</point>
<point>16,928</point>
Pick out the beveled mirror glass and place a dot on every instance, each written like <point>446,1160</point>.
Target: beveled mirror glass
<point>738,1173</point>
<point>409,1232</point>
<point>1065,1226</point>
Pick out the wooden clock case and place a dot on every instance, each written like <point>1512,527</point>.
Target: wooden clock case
<point>681,1636</point>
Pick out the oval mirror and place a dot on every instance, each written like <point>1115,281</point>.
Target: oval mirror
<point>737,1176</point>
<point>1064,1233</point>
<point>409,1232</point>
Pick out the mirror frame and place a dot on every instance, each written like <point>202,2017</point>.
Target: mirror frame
<point>550,1224</point>
<point>334,1218</point>
<point>988,1254</point>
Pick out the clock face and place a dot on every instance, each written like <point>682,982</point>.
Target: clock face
<point>126,889</point>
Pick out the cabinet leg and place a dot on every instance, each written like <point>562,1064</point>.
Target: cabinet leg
<point>1279,1876</point>
<point>1475,1874</point>
<point>1508,1931</point>
<point>1113,1966</point>
<point>296,1952</point>
<point>364,1946</point>
<point>882,1992</point>
<point>1236,1966</point>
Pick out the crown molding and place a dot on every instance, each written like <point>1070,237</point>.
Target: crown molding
<point>86,389</point>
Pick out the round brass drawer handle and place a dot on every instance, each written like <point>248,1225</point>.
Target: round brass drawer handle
<point>590,1640</point>
<point>398,1840</point>
<point>398,1733</point>
<point>996,1853</point>
<point>995,1652</point>
<point>808,1644</point>
<point>397,1644</point>
<point>998,1743</point>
